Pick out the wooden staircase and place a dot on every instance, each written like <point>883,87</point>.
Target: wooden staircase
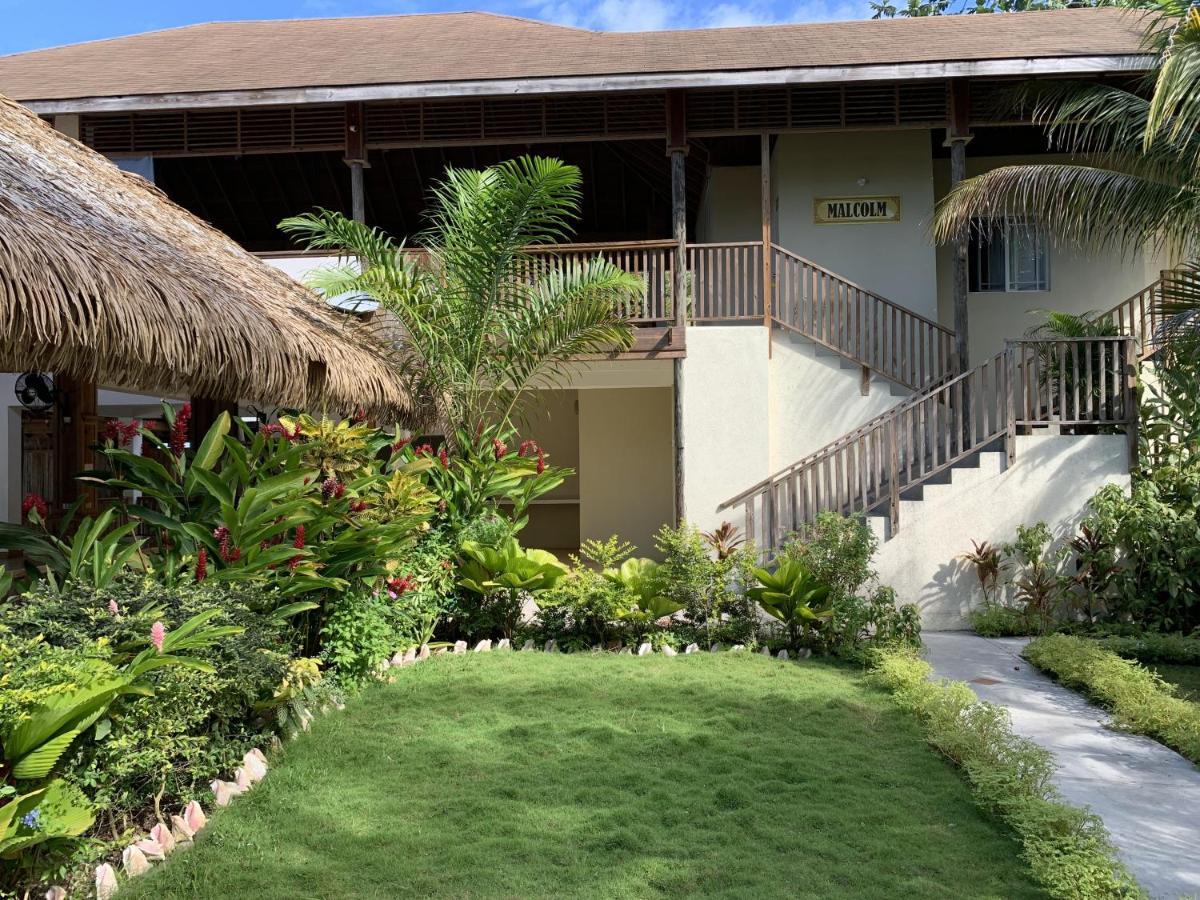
<point>1076,386</point>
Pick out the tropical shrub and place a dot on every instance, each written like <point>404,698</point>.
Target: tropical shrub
<point>201,719</point>
<point>1153,647</point>
<point>41,799</point>
<point>710,591</point>
<point>1067,848</point>
<point>793,595</point>
<point>420,587</point>
<point>994,618</point>
<point>90,551</point>
<point>987,561</point>
<point>357,637</point>
<point>1156,532</point>
<point>860,624</point>
<point>1140,701</point>
<point>643,598</point>
<point>837,550</point>
<point>502,577</point>
<point>582,610</point>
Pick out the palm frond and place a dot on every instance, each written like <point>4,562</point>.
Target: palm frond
<point>1084,205</point>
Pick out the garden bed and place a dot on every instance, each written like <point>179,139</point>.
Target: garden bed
<point>530,774</point>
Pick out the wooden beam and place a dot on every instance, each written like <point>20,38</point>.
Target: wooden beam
<point>76,427</point>
<point>958,134</point>
<point>764,153</point>
<point>205,411</point>
<point>677,150</point>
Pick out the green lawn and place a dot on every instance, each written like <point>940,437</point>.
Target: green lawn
<point>544,775</point>
<point>1185,678</point>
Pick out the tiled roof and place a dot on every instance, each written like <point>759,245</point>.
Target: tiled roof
<point>415,49</point>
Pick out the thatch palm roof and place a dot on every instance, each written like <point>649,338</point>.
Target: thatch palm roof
<point>102,277</point>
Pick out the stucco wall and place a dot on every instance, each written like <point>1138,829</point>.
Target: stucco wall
<point>814,401</point>
<point>726,408</point>
<point>626,464</point>
<point>1052,480</point>
<point>553,421</point>
<point>731,208</point>
<point>1079,282</point>
<point>894,259</point>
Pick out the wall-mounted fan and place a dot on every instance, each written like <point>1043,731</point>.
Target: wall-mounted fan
<point>35,391</point>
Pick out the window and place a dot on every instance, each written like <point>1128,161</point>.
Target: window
<point>1008,255</point>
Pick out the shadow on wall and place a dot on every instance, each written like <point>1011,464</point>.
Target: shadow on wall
<point>1052,481</point>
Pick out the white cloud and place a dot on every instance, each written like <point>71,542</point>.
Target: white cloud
<point>653,15</point>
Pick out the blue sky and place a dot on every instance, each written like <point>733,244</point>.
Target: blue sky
<point>30,24</point>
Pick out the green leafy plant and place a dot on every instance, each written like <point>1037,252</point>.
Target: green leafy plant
<point>643,598</point>
<point>1039,588</point>
<point>793,595</point>
<point>988,563</point>
<point>1140,701</point>
<point>356,637</point>
<point>500,576</point>
<point>1067,848</point>
<point>837,550</point>
<point>724,539</point>
<point>485,321</point>
<point>91,551</point>
<point>710,590</point>
<point>859,625</point>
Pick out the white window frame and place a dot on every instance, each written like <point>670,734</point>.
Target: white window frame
<point>1010,239</point>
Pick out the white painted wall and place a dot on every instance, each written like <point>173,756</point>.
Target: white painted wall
<point>814,401</point>
<point>1052,480</point>
<point>731,208</point>
<point>894,259</point>
<point>626,464</point>
<point>726,417</point>
<point>1079,282</point>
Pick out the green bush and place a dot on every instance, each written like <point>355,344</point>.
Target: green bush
<point>837,550</point>
<point>860,624</point>
<point>196,724</point>
<point>1152,647</point>
<point>357,637</point>
<point>996,619</point>
<point>1139,700</point>
<point>709,588</point>
<point>1067,848</point>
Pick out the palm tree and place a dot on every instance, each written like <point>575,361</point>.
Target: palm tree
<point>1133,181</point>
<point>479,322</point>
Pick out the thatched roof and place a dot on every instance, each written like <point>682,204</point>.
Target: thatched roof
<point>103,277</point>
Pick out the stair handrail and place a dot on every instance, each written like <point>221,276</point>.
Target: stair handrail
<point>1071,381</point>
<point>1141,315</point>
<point>879,334</point>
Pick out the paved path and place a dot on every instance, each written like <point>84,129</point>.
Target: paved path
<point>1147,795</point>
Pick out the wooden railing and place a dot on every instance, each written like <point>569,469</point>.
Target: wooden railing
<point>1078,384</point>
<point>725,282</point>
<point>652,260</point>
<point>1143,316</point>
<point>887,338</point>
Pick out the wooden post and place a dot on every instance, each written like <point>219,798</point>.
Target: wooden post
<point>356,159</point>
<point>677,150</point>
<point>1131,404</point>
<point>893,480</point>
<point>765,204</point>
<point>205,411</point>
<point>958,135</point>
<point>76,430</point>
<point>1012,384</point>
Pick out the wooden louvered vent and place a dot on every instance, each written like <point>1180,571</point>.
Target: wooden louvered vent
<point>205,131</point>
<point>921,104</point>
<point>500,119</point>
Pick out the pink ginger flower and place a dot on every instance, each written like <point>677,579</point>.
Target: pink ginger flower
<point>157,635</point>
<point>113,608</point>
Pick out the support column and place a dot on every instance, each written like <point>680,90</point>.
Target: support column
<point>75,412</point>
<point>768,288</point>
<point>958,135</point>
<point>205,411</point>
<point>356,159</point>
<point>677,150</point>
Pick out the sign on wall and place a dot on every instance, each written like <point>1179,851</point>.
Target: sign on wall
<point>841,210</point>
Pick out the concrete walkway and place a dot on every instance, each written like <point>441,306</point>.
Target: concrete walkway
<point>1147,795</point>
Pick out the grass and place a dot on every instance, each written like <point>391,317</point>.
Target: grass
<point>544,775</point>
<point>1185,678</point>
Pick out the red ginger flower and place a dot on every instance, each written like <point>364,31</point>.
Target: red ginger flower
<point>400,444</point>
<point>443,458</point>
<point>397,586</point>
<point>202,564</point>
<point>541,463</point>
<point>331,487</point>
<point>34,502</point>
<point>358,505</point>
<point>527,446</point>
<point>425,449</point>
<point>179,431</point>
<point>499,448</point>
<point>298,543</point>
<point>227,552</point>
<point>120,433</point>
